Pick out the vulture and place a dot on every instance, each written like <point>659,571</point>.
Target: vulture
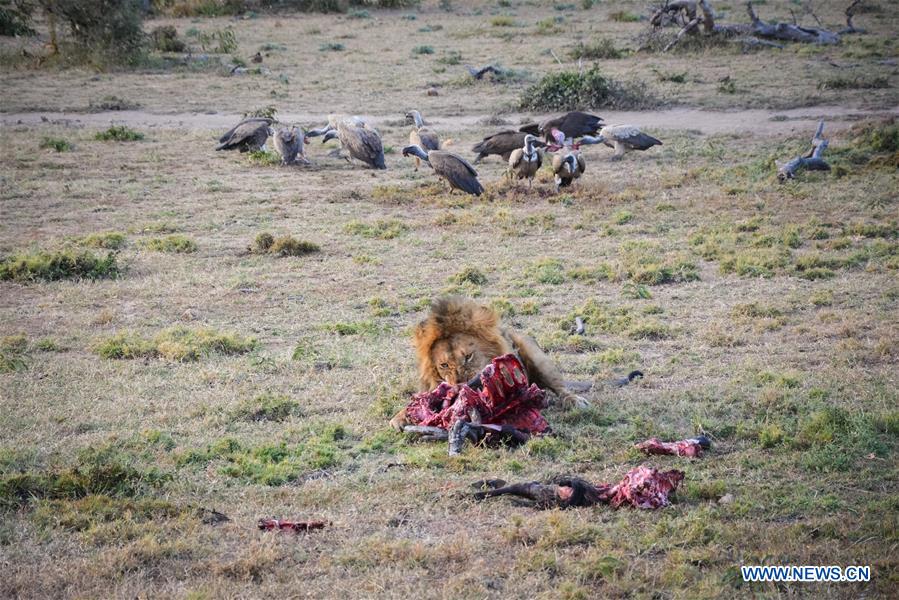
<point>574,124</point>
<point>458,173</point>
<point>502,143</point>
<point>356,137</point>
<point>421,136</point>
<point>250,134</point>
<point>568,164</point>
<point>623,138</point>
<point>289,144</point>
<point>525,161</point>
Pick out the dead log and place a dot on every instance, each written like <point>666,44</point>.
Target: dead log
<point>688,28</point>
<point>676,11</point>
<point>790,32</point>
<point>811,160</point>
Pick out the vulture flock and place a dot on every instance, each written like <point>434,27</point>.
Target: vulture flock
<point>557,140</point>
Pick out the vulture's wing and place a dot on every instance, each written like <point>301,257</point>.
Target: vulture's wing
<point>231,131</point>
<point>254,131</point>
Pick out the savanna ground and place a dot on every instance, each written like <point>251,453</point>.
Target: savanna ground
<point>208,375</point>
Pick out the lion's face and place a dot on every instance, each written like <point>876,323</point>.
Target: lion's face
<point>459,357</point>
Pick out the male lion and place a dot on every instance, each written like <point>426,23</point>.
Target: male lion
<point>460,337</point>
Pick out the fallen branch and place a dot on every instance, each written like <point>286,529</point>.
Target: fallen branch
<point>754,42</point>
<point>811,160</point>
<point>850,12</point>
<point>688,28</point>
<point>790,32</point>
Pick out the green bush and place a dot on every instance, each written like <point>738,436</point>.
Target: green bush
<point>15,17</point>
<point>53,266</point>
<point>570,90</point>
<point>56,144</point>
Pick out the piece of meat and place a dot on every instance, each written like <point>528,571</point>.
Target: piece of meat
<point>505,398</point>
<point>691,447</point>
<point>642,487</point>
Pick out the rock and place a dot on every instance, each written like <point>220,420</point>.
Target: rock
<point>726,499</point>
<point>432,91</point>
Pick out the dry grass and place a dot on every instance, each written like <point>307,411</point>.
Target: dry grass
<point>762,314</point>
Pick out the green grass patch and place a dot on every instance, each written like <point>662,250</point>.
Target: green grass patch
<point>622,16</point>
<point>471,275</point>
<point>119,133</point>
<point>423,50</point>
<point>600,49</point>
<point>354,328</point>
<point>266,243</point>
<point>105,471</point>
<point>56,144</point>
<point>331,47</point>
<point>53,266</point>
<point>267,407</point>
<point>176,243</point>
<point>382,229</point>
<point>111,240</point>
<point>264,158</point>
<point>546,270</point>
<point>13,353</point>
<point>182,344</point>
<point>322,447</point>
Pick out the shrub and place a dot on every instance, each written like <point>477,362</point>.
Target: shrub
<point>112,102</point>
<point>331,47</point>
<point>220,41</point>
<point>53,266</point>
<point>570,90</point>
<point>105,30</point>
<point>57,144</point>
<point>165,39</point>
<point>423,50</point>
<point>15,18</point>
<point>119,133</point>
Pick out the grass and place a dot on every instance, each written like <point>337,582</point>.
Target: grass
<point>176,243</point>
<point>180,344</point>
<point>119,133</point>
<point>56,144</point>
<point>286,245</point>
<point>423,49</point>
<point>790,373</point>
<point>331,47</point>
<point>110,240</point>
<point>382,229</point>
<point>600,49</point>
<point>41,265</point>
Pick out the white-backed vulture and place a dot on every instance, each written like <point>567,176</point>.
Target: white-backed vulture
<point>421,136</point>
<point>456,170</point>
<point>573,124</point>
<point>623,138</point>
<point>358,138</point>
<point>525,161</point>
<point>568,163</point>
<point>502,143</point>
<point>250,134</point>
<point>289,144</point>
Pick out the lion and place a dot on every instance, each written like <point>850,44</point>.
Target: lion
<point>460,337</point>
